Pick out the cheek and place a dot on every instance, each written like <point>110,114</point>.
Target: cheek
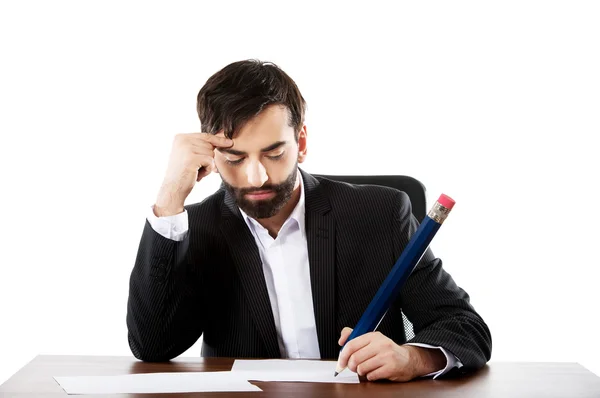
<point>279,171</point>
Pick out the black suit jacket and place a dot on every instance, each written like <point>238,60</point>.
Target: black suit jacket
<point>212,282</point>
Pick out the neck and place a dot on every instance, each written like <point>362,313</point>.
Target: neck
<point>274,224</point>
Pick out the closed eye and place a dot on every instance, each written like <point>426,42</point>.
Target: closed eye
<point>240,160</point>
<point>234,162</point>
<point>275,157</point>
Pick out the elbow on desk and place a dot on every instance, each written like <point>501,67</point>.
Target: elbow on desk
<point>486,347</point>
<point>148,352</point>
<point>482,345</point>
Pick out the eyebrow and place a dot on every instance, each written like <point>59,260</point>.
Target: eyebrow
<point>242,153</point>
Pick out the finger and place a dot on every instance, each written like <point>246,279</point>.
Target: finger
<point>204,138</point>
<point>206,149</point>
<point>216,140</point>
<point>380,373</point>
<point>344,335</point>
<point>369,365</point>
<point>203,161</point>
<point>202,172</point>
<point>362,355</point>
<point>352,346</point>
<point>202,132</point>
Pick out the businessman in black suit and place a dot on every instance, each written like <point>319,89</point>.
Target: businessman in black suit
<point>278,263</point>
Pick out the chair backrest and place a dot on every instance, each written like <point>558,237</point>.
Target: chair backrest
<point>413,188</point>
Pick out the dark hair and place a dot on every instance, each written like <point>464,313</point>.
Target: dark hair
<point>241,90</point>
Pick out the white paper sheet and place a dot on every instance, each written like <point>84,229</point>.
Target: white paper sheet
<point>292,370</point>
<point>156,383</point>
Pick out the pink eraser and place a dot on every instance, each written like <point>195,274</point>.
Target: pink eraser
<point>446,201</point>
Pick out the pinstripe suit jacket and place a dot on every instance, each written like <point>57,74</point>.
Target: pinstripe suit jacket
<point>212,282</point>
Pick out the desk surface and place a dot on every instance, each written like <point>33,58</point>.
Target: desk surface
<point>497,379</point>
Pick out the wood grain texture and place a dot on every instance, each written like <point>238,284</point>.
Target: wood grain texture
<point>495,380</point>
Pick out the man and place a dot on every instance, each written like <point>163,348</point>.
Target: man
<point>278,263</point>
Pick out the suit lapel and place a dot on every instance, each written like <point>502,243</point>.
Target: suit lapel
<point>248,264</point>
<point>320,237</point>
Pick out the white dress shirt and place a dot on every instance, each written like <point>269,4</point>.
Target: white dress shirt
<point>287,279</point>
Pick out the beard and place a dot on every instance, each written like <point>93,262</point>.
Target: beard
<point>264,208</point>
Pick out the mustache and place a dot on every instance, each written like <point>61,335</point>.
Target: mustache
<point>270,187</point>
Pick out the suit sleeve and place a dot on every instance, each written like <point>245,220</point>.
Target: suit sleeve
<point>439,310</point>
<point>163,309</point>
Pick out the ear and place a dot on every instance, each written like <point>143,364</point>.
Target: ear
<point>302,148</point>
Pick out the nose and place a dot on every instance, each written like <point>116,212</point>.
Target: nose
<point>257,174</point>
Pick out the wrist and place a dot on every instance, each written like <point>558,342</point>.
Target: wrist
<point>168,204</point>
<point>426,360</point>
<point>166,211</point>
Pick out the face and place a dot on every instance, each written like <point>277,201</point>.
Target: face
<point>260,170</point>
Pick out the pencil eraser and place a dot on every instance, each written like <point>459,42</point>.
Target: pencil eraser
<point>446,201</point>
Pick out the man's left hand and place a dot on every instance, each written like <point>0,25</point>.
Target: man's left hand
<point>378,357</point>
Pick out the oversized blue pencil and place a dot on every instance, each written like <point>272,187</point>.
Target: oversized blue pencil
<point>391,286</point>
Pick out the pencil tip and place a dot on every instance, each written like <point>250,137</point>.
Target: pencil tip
<point>335,375</point>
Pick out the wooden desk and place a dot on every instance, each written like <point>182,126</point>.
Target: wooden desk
<point>498,379</point>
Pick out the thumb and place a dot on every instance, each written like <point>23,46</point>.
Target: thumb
<point>205,170</point>
<point>344,335</point>
<point>202,172</point>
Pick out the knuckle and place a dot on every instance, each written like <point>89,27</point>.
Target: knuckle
<point>181,137</point>
<point>358,357</point>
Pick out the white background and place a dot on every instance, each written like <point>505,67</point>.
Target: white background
<point>496,105</point>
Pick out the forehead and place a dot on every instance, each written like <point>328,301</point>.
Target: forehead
<point>269,126</point>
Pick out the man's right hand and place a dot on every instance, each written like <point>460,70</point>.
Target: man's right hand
<point>192,158</point>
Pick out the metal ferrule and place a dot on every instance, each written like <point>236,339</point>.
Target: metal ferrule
<point>438,213</point>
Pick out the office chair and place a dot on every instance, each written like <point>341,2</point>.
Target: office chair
<point>416,192</point>
<point>413,188</point>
